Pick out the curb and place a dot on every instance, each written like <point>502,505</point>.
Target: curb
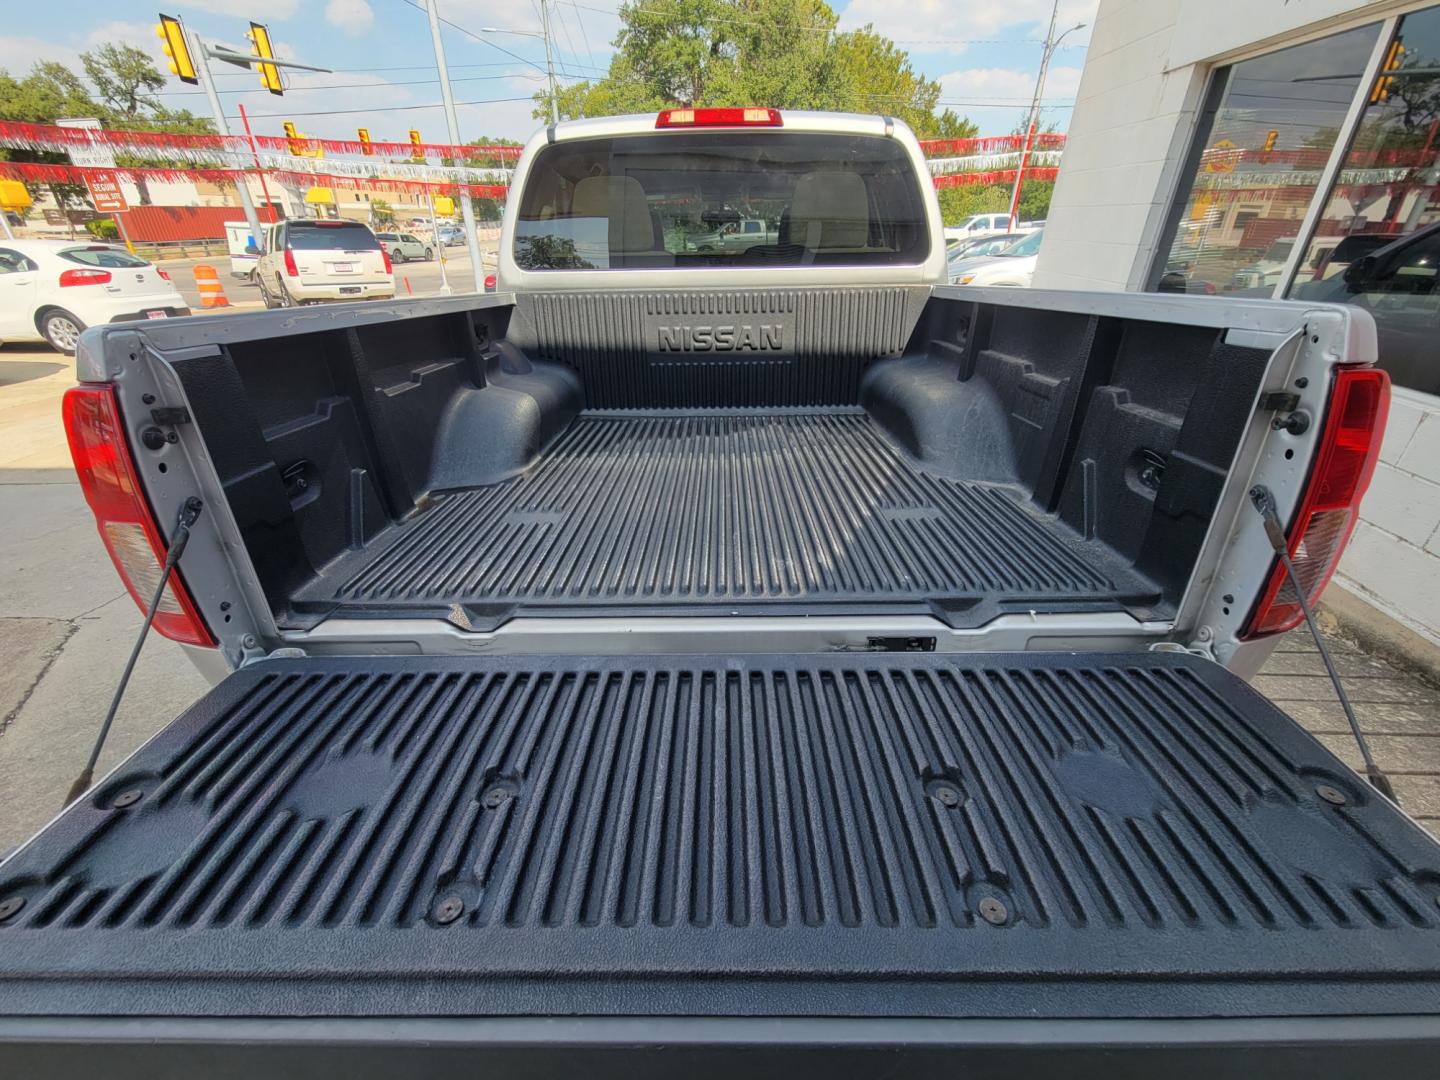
<point>1381,634</point>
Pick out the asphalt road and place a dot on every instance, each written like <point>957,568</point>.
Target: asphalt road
<point>411,278</point>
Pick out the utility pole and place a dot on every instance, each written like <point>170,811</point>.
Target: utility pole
<point>452,122</point>
<point>1051,44</point>
<point>549,61</point>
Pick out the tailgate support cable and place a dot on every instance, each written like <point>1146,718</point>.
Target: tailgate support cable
<point>1265,503</point>
<point>189,514</point>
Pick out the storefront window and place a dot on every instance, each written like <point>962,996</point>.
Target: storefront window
<point>1273,122</point>
<point>1377,244</point>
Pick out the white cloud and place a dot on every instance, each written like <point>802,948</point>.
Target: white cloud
<point>140,35</point>
<point>1014,85</point>
<point>351,17</point>
<point>259,10</point>
<point>923,26</point>
<point>19,54</point>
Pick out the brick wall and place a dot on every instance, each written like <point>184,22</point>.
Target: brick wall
<point>1394,558</point>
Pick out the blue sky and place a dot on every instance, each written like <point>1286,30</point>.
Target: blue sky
<point>984,52</point>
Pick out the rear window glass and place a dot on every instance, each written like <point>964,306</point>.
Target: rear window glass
<point>721,198</point>
<point>112,258</point>
<point>331,237</point>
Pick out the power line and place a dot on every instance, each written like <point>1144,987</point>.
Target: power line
<point>486,41</point>
<point>652,11</point>
<point>580,22</point>
<point>380,109</point>
<point>358,86</point>
<point>476,37</point>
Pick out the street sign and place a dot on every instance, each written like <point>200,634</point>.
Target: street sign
<point>105,191</point>
<point>95,156</point>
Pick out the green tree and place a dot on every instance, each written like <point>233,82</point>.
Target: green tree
<point>124,79</point>
<point>49,92</point>
<point>783,53</point>
<point>958,203</point>
<point>382,212</point>
<point>879,78</point>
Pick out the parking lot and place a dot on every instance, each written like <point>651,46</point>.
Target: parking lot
<point>414,278</point>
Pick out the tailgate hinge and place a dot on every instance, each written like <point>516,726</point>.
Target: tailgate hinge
<point>1198,648</point>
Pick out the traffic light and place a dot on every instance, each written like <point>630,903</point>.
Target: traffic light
<point>173,44</point>
<point>365,147</point>
<point>417,152</point>
<point>269,73</point>
<point>1384,82</point>
<point>293,138</point>
<point>1271,137</point>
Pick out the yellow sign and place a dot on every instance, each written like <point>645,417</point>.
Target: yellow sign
<point>13,195</point>
<point>320,195</point>
<point>1222,157</point>
<point>444,205</point>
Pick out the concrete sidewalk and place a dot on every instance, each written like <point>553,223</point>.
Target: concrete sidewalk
<point>66,623</point>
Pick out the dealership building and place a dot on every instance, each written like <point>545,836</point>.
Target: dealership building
<point>1279,148</point>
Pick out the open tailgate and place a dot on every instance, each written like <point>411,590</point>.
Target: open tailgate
<point>1123,847</point>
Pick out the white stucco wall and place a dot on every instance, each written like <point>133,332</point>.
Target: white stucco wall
<point>1127,135</point>
<point>1394,558</point>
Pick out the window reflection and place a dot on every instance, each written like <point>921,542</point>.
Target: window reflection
<point>1378,240</point>
<point>1264,152</point>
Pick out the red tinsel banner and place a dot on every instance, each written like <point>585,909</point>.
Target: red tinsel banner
<point>509,154</point>
<point>997,176</point>
<point>46,137</point>
<point>71,174</point>
<point>308,179</point>
<point>990,144</point>
<point>37,173</point>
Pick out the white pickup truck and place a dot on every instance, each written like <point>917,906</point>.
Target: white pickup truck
<point>771,662</point>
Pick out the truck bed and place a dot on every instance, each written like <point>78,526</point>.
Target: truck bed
<point>897,453</point>
<point>677,510</point>
<point>865,836</point>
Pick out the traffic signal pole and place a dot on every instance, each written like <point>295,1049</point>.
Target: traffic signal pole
<point>202,70</point>
<point>452,123</point>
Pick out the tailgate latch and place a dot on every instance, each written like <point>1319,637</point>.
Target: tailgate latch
<point>170,415</point>
<point>1288,414</point>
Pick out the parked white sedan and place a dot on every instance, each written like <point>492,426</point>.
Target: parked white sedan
<point>54,289</point>
<point>1014,266</point>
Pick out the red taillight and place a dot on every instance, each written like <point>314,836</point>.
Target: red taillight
<point>107,478</point>
<point>489,282</point>
<point>1345,461</point>
<point>162,273</point>
<point>290,267</point>
<point>83,277</point>
<point>385,258</point>
<point>730,117</point>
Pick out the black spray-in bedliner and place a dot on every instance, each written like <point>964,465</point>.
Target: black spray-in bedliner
<point>670,510</point>
<point>890,835</point>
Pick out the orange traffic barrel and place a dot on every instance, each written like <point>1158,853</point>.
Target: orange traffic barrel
<point>208,282</point>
